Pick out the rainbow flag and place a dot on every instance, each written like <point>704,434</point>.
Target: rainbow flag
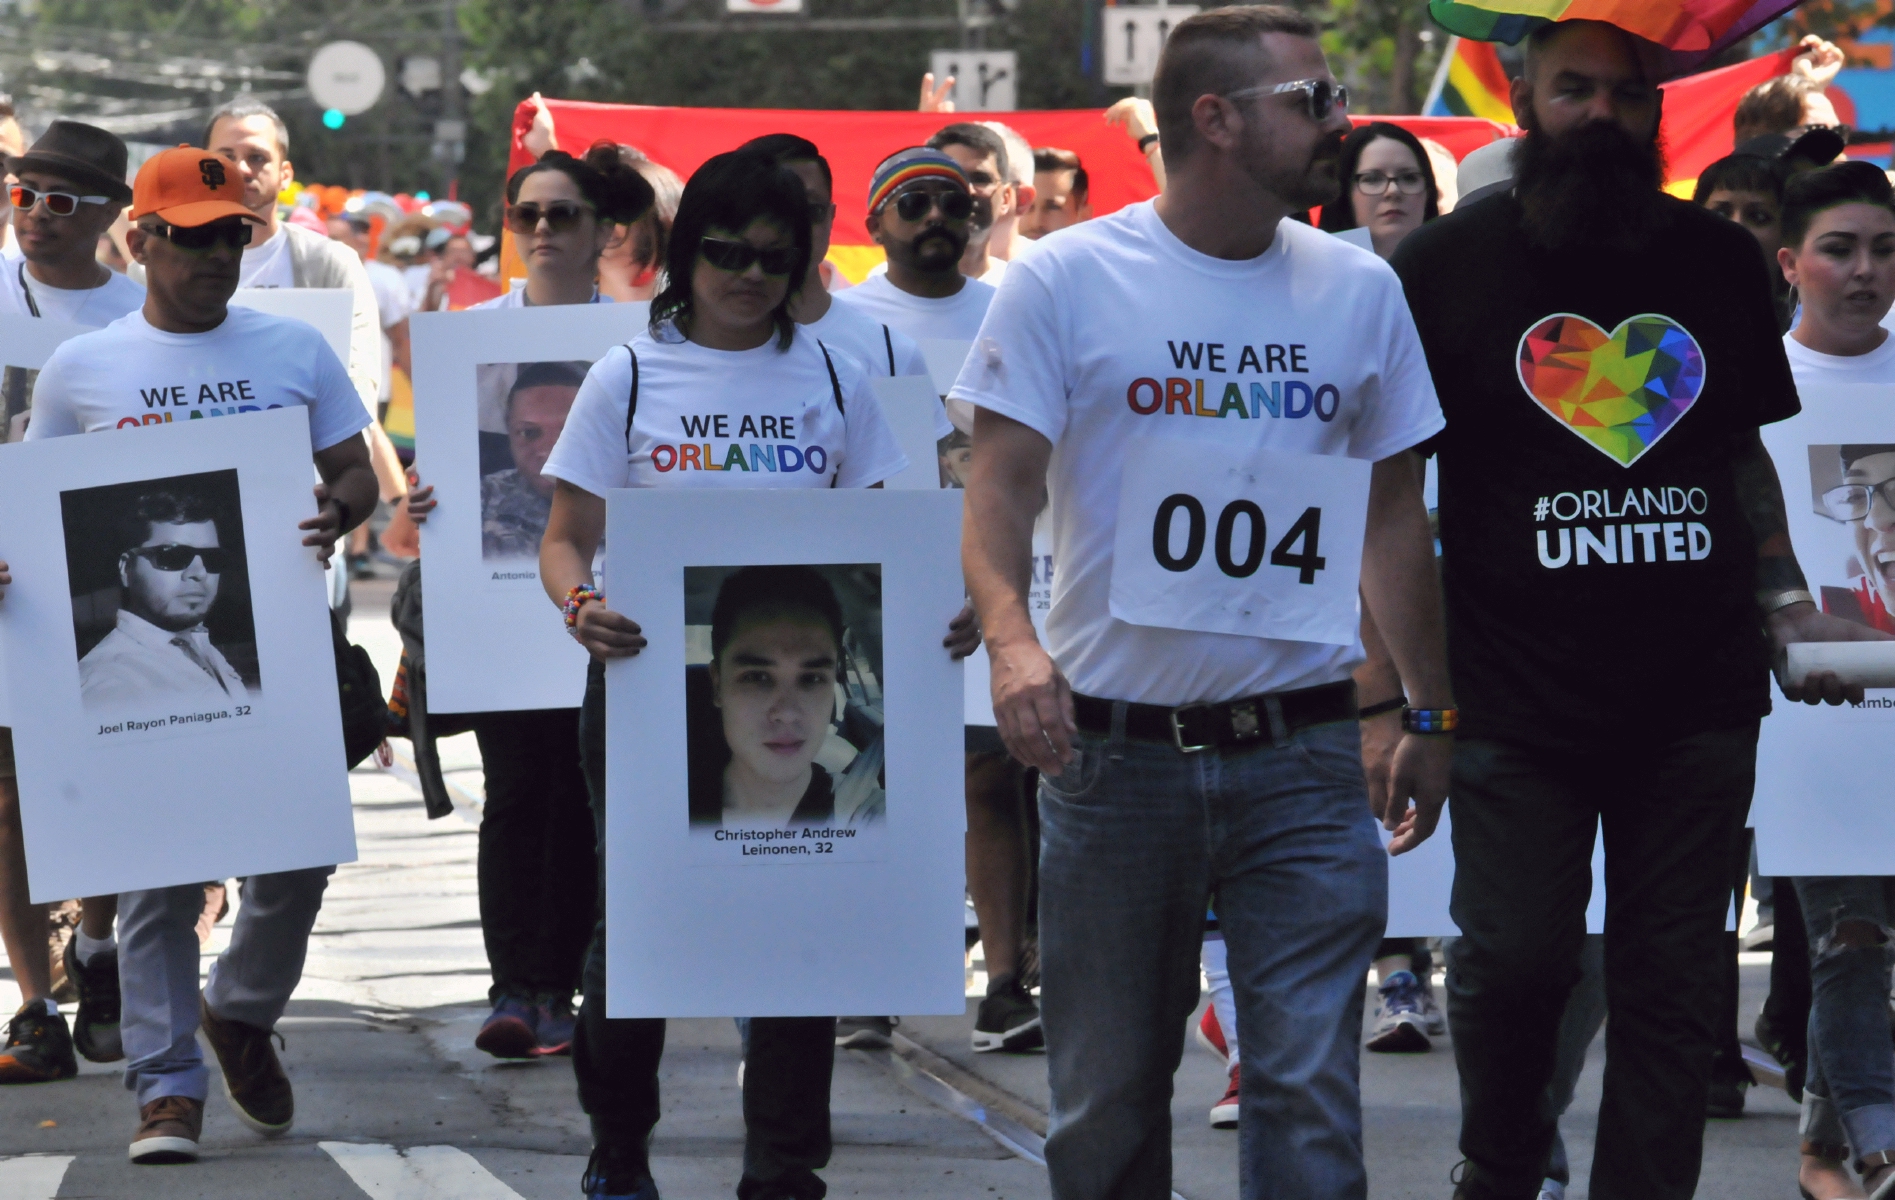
<point>1470,83</point>
<point>1690,30</point>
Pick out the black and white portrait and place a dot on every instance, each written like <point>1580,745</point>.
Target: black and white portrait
<point>783,696</point>
<point>160,597</point>
<point>523,407</point>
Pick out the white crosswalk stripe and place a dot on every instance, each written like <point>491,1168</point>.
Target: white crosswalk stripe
<point>418,1173</point>
<point>32,1176</point>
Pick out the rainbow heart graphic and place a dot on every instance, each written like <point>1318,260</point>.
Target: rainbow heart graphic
<point>1620,391</point>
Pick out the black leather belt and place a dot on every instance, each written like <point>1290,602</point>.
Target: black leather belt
<point>1242,722</point>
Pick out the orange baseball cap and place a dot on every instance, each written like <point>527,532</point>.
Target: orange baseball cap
<point>188,187</point>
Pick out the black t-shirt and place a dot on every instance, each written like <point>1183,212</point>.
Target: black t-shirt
<point>1600,573</point>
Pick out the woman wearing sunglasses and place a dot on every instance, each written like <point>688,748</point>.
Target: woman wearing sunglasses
<point>537,884</point>
<point>1388,186</point>
<point>775,408</point>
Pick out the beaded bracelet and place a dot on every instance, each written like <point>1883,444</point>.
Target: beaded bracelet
<point>576,597</point>
<point>1430,720</point>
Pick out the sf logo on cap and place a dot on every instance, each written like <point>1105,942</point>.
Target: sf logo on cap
<point>212,169</point>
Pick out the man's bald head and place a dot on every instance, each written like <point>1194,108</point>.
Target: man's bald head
<point>1212,54</point>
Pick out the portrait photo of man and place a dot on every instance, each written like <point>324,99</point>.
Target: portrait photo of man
<point>163,559</point>
<point>1855,487</point>
<point>785,718</point>
<point>515,498</point>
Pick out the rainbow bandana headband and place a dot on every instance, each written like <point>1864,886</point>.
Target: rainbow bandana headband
<point>904,167</point>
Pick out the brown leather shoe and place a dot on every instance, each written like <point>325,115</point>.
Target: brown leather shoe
<point>168,1129</point>
<point>259,1091</point>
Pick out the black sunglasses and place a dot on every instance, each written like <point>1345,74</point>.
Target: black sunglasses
<point>60,204</point>
<point>727,255</point>
<point>176,556</point>
<point>234,233</point>
<point>560,216</point>
<point>954,205</point>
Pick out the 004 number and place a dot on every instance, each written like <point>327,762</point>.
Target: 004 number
<point>1297,549</point>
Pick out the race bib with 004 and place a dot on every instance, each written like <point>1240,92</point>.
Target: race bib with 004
<point>1229,539</point>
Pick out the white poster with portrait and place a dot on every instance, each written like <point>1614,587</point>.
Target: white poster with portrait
<point>783,756</point>
<point>173,676</point>
<point>491,392</point>
<point>25,345</point>
<point>1821,804</point>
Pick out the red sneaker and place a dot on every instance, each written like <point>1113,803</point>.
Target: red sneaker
<point>1224,1112</point>
<point>1211,1034</point>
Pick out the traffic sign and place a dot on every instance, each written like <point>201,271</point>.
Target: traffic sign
<point>984,80</point>
<point>1132,37</point>
<point>346,76</point>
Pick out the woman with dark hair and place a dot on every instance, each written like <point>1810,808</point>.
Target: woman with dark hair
<point>537,886</point>
<point>632,267</point>
<point>1748,189</point>
<point>1387,186</point>
<point>769,406</point>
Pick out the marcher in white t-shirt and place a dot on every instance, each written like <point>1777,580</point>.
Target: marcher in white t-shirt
<point>729,392</point>
<point>1126,365</point>
<point>920,212</point>
<point>188,356</point>
<point>71,187</point>
<point>538,882</point>
<point>1838,253</point>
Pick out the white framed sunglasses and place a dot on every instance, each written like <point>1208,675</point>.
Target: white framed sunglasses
<point>1320,96</point>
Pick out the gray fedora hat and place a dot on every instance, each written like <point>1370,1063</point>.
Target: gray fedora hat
<point>83,153</point>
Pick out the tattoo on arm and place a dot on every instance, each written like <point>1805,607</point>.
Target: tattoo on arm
<point>1761,496</point>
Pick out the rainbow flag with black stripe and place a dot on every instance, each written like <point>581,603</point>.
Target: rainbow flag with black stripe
<point>1690,30</point>
<point>1470,83</point>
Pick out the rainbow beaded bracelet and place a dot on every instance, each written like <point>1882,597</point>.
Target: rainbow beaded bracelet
<point>576,597</point>
<point>1430,720</point>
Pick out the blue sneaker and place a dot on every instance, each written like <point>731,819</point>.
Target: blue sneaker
<point>611,1177</point>
<point>512,1031</point>
<point>1400,1025</point>
<point>555,1028</point>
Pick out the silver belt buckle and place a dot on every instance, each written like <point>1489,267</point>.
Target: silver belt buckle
<point>1177,731</point>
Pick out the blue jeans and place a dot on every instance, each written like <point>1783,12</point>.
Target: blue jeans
<point>1135,838</point>
<point>1849,1094</point>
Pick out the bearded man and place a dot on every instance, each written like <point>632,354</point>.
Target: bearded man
<point>1617,567</point>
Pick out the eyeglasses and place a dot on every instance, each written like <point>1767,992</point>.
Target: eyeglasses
<point>955,205</point>
<point>737,257</point>
<point>176,556</point>
<point>1320,96</point>
<point>1374,183</point>
<point>60,204</point>
<point>234,233</point>
<point>560,216</point>
<point>1851,501</point>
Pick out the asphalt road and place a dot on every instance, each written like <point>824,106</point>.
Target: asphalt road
<point>394,1103</point>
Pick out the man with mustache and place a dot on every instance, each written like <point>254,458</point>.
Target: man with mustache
<point>1125,366</point>
<point>169,575</point>
<point>1614,550</point>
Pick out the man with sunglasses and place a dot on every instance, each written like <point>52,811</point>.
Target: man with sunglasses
<point>69,189</point>
<point>921,208</point>
<point>187,354</point>
<point>1184,755</point>
<point>168,579</point>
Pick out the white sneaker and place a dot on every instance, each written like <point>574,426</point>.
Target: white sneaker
<point>1435,1021</point>
<point>1552,1189</point>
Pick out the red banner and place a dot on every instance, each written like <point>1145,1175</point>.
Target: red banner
<point>854,142</point>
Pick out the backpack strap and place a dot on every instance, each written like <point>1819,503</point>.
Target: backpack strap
<point>631,401</point>
<point>835,385</point>
<point>888,340</point>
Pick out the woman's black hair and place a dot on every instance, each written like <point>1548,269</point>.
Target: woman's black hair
<point>729,192</point>
<point>1339,214</point>
<point>774,589</point>
<point>616,192</point>
<point>1811,192</point>
<point>1742,173</point>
